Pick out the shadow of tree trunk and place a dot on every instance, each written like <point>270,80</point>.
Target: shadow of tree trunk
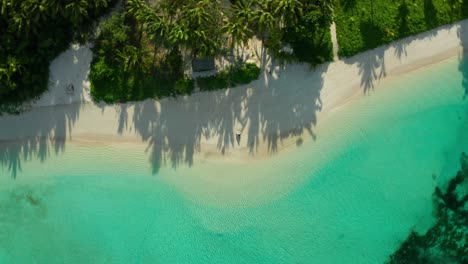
<point>35,135</point>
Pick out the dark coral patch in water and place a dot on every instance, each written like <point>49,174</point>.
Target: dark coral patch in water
<point>447,240</point>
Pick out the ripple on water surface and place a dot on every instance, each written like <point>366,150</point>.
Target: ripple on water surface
<point>354,193</point>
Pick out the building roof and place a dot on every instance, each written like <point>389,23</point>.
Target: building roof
<point>203,64</point>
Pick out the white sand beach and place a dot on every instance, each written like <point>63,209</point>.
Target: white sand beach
<point>69,68</point>
<point>283,108</point>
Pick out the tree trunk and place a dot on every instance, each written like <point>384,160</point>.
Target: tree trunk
<point>154,56</point>
<point>141,34</point>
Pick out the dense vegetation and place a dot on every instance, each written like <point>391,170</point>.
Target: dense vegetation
<point>230,77</point>
<point>447,240</point>
<point>309,36</point>
<point>366,24</point>
<point>123,70</point>
<point>32,33</point>
<point>141,51</point>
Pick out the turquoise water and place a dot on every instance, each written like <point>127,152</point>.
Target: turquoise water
<point>352,194</point>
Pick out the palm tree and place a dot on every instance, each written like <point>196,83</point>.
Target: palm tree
<point>6,6</point>
<point>20,23</point>
<point>135,8</point>
<point>7,71</point>
<point>196,14</point>
<point>14,65</point>
<point>178,34</point>
<point>98,4</point>
<point>264,19</point>
<point>35,10</point>
<point>130,57</point>
<point>265,23</point>
<point>55,7</point>
<point>77,11</point>
<point>20,17</point>
<point>326,7</point>
<point>242,11</point>
<point>239,25</point>
<point>206,45</point>
<point>288,11</point>
<point>138,9</point>
<point>240,33</point>
<point>158,30</point>
<point>198,21</point>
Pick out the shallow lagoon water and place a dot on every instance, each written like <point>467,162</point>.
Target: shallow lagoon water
<point>352,194</point>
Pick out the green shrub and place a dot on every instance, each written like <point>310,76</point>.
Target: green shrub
<point>366,24</point>
<point>236,75</point>
<point>101,76</point>
<point>122,71</point>
<point>245,74</point>
<point>30,38</point>
<point>215,82</point>
<point>310,38</point>
<point>184,86</point>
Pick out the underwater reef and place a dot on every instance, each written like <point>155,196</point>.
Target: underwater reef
<point>447,240</point>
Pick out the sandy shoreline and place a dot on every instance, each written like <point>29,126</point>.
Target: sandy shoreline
<point>282,109</point>
<point>95,173</point>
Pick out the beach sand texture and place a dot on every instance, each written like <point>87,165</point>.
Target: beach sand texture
<point>281,109</point>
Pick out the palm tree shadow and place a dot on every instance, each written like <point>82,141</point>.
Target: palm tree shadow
<point>38,134</point>
<point>173,129</point>
<point>121,109</point>
<point>43,131</point>
<point>404,30</point>
<point>371,63</point>
<point>298,113</point>
<point>146,122</point>
<point>371,67</point>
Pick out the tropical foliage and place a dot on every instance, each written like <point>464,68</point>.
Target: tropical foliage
<point>232,76</point>
<point>366,24</point>
<point>32,33</point>
<point>140,51</point>
<point>309,34</point>
<point>155,38</point>
<point>123,70</point>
